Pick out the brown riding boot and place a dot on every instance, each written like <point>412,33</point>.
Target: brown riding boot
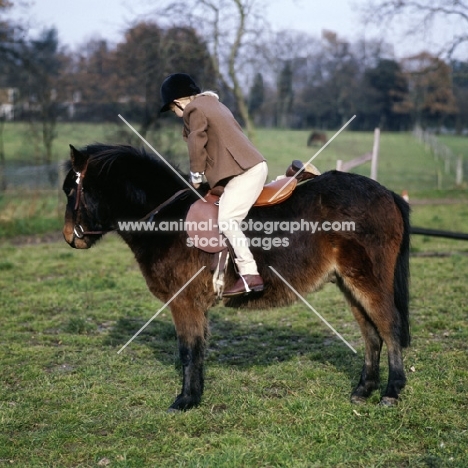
<point>244,285</point>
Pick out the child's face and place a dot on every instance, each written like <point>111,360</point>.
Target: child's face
<point>178,106</point>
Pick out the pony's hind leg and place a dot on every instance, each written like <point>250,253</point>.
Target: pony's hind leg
<point>379,322</point>
<point>387,321</point>
<point>396,374</point>
<point>370,375</point>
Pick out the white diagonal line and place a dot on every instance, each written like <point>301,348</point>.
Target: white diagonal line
<point>313,310</point>
<point>314,156</point>
<point>161,309</point>
<point>157,153</point>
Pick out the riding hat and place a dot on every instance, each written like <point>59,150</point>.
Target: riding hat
<point>176,86</point>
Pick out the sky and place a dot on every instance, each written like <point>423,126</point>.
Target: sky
<point>77,21</point>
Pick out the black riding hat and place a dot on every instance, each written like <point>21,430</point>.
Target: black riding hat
<point>176,86</point>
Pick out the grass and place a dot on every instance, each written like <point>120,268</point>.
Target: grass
<point>404,164</point>
<point>30,212</point>
<point>458,144</point>
<point>22,144</point>
<point>277,381</point>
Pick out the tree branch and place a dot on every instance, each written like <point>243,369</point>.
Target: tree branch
<point>427,11</point>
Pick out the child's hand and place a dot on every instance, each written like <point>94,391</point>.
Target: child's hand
<point>196,178</point>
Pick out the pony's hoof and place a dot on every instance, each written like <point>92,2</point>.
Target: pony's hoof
<point>183,403</point>
<point>173,410</point>
<point>388,401</point>
<point>358,400</point>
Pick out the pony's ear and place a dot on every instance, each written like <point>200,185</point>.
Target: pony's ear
<point>78,159</point>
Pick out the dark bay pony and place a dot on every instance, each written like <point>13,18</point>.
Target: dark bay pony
<point>369,264</point>
<point>319,138</point>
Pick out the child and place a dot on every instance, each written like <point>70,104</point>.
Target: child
<point>220,152</point>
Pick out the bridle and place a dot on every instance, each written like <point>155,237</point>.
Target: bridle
<point>78,229</point>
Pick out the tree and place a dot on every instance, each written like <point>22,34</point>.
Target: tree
<point>43,63</point>
<point>386,98</point>
<point>285,96</point>
<point>256,95</point>
<point>230,28</point>
<point>93,83</point>
<point>125,79</point>
<point>421,16</point>
<point>342,74</point>
<point>6,35</point>
<point>5,27</point>
<point>460,90</point>
<point>431,89</point>
<point>140,63</point>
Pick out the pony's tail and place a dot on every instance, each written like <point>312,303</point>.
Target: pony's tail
<point>402,273</point>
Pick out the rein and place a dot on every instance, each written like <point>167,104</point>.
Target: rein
<point>78,229</point>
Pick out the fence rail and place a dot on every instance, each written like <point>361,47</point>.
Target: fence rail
<point>439,233</point>
<point>372,156</point>
<point>44,176</point>
<point>452,162</point>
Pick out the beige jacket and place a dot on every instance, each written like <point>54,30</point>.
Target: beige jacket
<point>216,143</point>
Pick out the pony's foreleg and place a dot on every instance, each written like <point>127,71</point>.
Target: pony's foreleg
<point>191,356</point>
<point>192,330</point>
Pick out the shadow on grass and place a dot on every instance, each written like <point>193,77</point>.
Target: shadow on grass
<point>244,345</point>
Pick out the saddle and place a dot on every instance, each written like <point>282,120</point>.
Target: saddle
<point>201,220</point>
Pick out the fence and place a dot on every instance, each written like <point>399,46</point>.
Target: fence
<point>441,152</point>
<point>372,156</point>
<point>45,176</point>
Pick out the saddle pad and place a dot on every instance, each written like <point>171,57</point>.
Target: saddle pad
<point>276,191</point>
<point>202,225</point>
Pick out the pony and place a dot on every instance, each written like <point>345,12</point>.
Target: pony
<point>319,138</point>
<point>106,184</point>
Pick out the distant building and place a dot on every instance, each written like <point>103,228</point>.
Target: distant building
<point>7,103</point>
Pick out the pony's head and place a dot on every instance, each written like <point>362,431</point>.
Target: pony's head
<point>106,184</point>
<point>83,213</point>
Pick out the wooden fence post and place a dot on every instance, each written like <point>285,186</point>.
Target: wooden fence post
<point>459,176</point>
<point>375,154</point>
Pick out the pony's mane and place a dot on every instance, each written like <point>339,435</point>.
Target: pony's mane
<point>103,157</point>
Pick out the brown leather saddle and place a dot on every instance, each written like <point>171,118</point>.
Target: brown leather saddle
<point>202,218</point>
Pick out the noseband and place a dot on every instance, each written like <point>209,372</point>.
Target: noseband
<point>78,229</point>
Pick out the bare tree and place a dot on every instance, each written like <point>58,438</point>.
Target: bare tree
<point>43,62</point>
<point>231,29</point>
<point>422,16</point>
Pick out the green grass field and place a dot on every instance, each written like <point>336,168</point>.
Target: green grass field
<point>404,164</point>
<point>277,381</point>
<point>277,384</point>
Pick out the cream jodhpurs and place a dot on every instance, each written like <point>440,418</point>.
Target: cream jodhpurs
<point>239,195</point>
